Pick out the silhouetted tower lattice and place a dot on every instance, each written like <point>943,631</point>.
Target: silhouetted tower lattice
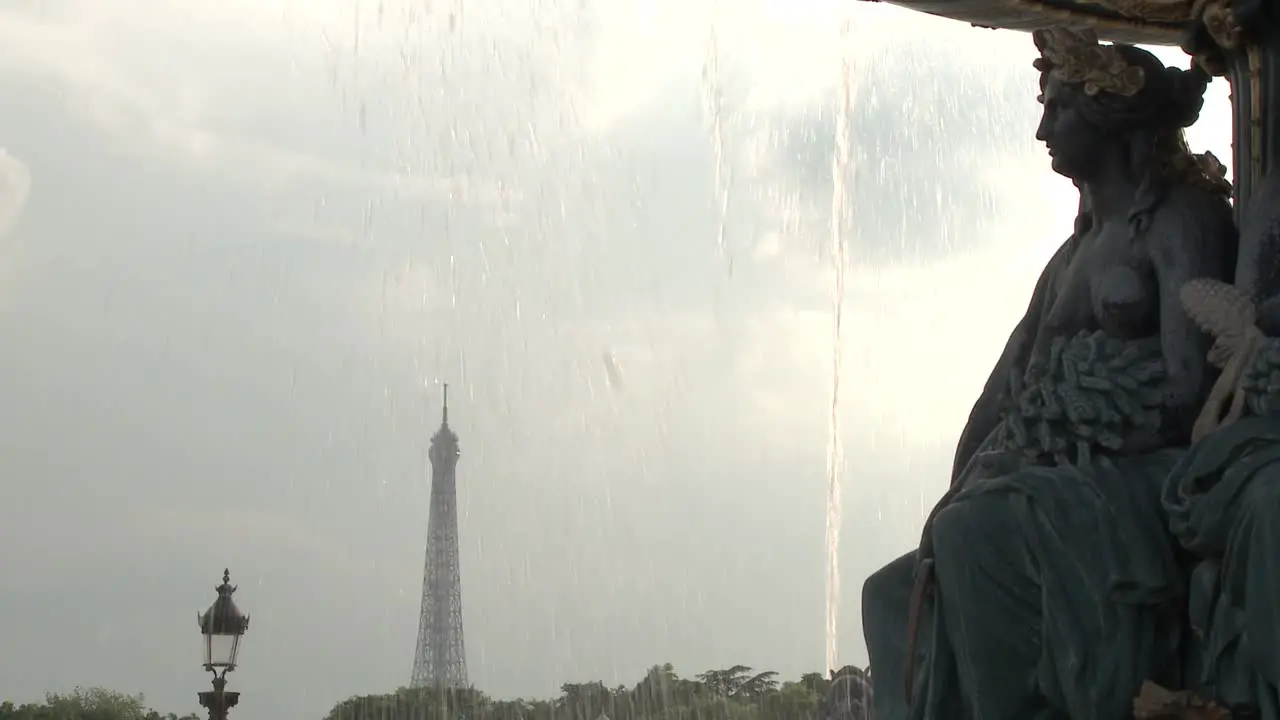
<point>440,659</point>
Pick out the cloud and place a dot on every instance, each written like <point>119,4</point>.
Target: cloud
<point>917,191</point>
<point>15,187</point>
<point>198,108</point>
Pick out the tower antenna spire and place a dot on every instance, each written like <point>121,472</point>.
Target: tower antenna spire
<point>444,413</point>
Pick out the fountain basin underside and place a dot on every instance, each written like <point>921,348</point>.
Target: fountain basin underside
<point>1162,25</point>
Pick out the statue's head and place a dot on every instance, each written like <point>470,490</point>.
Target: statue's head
<point>1103,100</point>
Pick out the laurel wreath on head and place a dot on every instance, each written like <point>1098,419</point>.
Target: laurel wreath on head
<point>1075,56</point>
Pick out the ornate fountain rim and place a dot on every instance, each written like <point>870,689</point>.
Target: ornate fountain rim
<point>1147,22</point>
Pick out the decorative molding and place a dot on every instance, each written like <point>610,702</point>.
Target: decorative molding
<point>1176,11</point>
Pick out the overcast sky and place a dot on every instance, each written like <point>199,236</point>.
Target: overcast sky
<point>241,243</point>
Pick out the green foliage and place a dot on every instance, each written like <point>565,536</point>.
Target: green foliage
<point>736,693</point>
<point>86,704</point>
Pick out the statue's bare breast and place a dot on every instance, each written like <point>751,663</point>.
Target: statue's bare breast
<point>1109,284</point>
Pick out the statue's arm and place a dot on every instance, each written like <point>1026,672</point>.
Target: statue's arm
<point>1186,242</point>
<point>985,414</point>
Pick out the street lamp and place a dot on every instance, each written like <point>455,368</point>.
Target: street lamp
<point>222,626</point>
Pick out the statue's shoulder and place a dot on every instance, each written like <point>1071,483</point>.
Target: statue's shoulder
<point>1198,206</point>
<point>1195,224</point>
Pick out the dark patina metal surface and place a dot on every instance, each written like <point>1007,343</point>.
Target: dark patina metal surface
<point>1150,22</point>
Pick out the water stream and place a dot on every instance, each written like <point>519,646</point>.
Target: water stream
<point>713,110</point>
<point>840,162</point>
<point>712,106</point>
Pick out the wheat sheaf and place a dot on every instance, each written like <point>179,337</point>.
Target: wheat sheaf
<point>1228,314</point>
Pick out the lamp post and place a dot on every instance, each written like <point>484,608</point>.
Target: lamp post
<point>222,626</point>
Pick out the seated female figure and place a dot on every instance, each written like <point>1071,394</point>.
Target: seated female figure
<point>1056,585</point>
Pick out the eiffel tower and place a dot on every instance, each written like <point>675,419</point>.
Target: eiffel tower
<point>440,660</point>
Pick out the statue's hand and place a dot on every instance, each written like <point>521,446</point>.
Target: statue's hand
<point>1221,352</point>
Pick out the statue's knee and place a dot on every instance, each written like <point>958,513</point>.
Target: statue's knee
<point>957,526</point>
<point>887,591</point>
<point>874,590</point>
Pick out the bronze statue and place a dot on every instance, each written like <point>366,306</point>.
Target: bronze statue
<point>1223,503</point>
<point>1047,584</point>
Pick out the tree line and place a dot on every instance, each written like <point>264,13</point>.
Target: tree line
<point>736,693</point>
<point>87,704</point>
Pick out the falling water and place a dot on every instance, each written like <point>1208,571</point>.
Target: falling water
<point>712,110</point>
<point>839,171</point>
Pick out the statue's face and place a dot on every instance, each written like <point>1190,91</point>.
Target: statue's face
<point>1074,143</point>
